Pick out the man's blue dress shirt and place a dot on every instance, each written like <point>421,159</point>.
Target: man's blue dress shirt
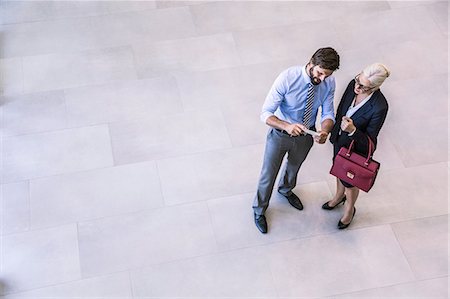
<point>287,97</point>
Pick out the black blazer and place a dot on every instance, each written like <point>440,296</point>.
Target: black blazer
<point>368,120</point>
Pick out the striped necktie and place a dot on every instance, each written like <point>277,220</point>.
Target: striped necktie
<point>307,116</point>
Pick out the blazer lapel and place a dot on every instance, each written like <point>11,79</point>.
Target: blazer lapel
<point>367,106</point>
<point>347,102</point>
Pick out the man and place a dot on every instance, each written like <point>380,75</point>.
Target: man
<point>290,109</point>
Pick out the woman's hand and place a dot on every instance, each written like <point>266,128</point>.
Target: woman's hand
<point>347,124</point>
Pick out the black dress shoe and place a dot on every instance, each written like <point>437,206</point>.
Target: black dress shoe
<point>294,200</point>
<point>342,225</point>
<point>261,223</point>
<point>326,206</point>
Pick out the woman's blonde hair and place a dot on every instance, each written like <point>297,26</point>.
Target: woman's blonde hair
<point>376,73</point>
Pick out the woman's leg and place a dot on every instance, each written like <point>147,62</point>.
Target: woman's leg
<point>352,196</point>
<point>340,192</point>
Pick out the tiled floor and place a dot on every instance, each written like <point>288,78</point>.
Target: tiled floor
<point>131,147</point>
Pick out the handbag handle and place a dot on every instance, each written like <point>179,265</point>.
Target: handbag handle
<point>369,155</point>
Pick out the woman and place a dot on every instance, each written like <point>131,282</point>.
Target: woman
<point>361,114</point>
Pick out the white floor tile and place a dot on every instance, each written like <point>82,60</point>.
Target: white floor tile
<point>45,154</point>
<point>337,263</point>
<point>111,286</point>
<point>13,12</point>
<point>210,175</point>
<point>229,87</point>
<point>236,229</point>
<point>413,89</point>
<point>146,238</point>
<point>15,207</point>
<point>58,71</point>
<point>239,274</point>
<point>38,38</point>
<point>439,11</point>
<point>191,54</point>
<point>240,16</point>
<point>433,288</point>
<point>141,25</point>
<point>90,87</point>
<point>94,194</point>
<point>398,195</point>
<point>407,60</point>
<point>424,243</point>
<point>317,165</point>
<point>168,136</point>
<point>244,124</point>
<point>416,148</point>
<point>161,4</point>
<point>284,42</point>
<point>11,71</point>
<point>33,113</point>
<point>121,101</point>
<point>49,256</point>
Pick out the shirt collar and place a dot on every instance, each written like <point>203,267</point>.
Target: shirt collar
<point>305,74</point>
<point>366,99</point>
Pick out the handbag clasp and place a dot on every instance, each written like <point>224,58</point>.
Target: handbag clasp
<point>350,175</point>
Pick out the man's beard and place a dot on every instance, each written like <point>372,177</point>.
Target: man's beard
<point>314,80</point>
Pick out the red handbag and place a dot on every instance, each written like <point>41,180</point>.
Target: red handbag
<point>355,169</point>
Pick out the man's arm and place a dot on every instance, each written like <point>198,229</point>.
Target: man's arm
<point>271,104</point>
<point>292,129</point>
<point>327,116</point>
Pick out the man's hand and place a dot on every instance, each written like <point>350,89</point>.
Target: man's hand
<point>294,129</point>
<point>321,138</point>
<point>347,124</point>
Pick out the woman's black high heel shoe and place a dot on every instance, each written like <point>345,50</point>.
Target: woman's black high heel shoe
<point>327,207</point>
<point>342,225</point>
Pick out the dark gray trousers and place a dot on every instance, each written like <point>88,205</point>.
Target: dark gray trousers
<point>277,145</point>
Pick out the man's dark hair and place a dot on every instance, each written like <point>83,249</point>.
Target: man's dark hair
<point>326,58</point>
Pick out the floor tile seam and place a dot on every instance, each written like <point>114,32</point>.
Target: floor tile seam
<point>78,53</point>
<point>203,202</point>
<point>390,223</point>
<point>154,209</point>
<point>190,155</point>
<point>421,218</point>
<point>61,284</point>
<point>161,190</point>
<point>219,253</point>
<point>128,44</point>
<point>93,124</point>
<point>182,260</point>
<point>29,181</point>
<point>433,15</point>
<point>78,17</point>
<point>111,146</point>
<point>105,217</point>
<point>388,286</point>
<point>213,230</point>
<point>186,259</point>
<point>263,26</point>
<point>413,167</point>
<point>130,281</point>
<point>78,252</point>
<point>226,127</point>
<point>123,214</point>
<point>92,16</point>
<point>399,244</point>
<point>383,44</point>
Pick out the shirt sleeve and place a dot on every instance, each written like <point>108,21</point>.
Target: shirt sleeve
<point>327,105</point>
<point>275,96</point>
